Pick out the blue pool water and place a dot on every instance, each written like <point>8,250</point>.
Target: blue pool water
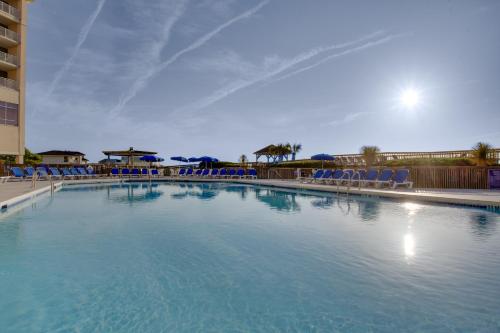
<point>236,258</point>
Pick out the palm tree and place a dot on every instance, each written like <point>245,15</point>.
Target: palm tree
<point>243,159</point>
<point>296,148</point>
<point>482,153</point>
<point>369,154</point>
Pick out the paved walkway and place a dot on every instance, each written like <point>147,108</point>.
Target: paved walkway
<point>13,192</point>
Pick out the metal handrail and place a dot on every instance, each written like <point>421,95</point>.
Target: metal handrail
<point>13,11</point>
<point>9,34</point>
<point>9,83</point>
<point>7,57</point>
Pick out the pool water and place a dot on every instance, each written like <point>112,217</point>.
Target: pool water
<point>216,257</point>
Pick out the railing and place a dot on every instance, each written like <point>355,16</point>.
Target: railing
<point>6,8</point>
<point>12,84</point>
<point>7,57</point>
<point>9,34</point>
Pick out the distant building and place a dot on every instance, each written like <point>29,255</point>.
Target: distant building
<point>110,161</point>
<point>63,157</point>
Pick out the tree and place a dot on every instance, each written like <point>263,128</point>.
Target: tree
<point>29,158</point>
<point>482,153</point>
<point>369,154</point>
<point>281,151</point>
<point>243,159</point>
<point>296,148</point>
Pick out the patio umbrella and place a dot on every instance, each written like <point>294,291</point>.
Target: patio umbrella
<point>322,158</point>
<point>179,158</point>
<point>208,159</point>
<point>151,159</point>
<point>193,159</point>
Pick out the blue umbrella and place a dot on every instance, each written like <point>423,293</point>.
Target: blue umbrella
<point>148,158</point>
<point>193,159</point>
<point>322,157</point>
<point>179,158</point>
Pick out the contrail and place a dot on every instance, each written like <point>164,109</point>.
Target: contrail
<point>198,43</point>
<point>340,54</point>
<point>286,65</point>
<point>156,49</point>
<point>82,36</point>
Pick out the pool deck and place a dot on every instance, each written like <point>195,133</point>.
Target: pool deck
<point>12,193</point>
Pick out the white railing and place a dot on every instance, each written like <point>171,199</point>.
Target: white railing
<point>9,34</point>
<point>10,58</point>
<point>6,8</point>
<point>12,84</point>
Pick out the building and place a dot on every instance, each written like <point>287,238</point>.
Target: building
<point>13,17</point>
<point>63,157</point>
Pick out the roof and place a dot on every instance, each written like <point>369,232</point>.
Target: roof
<point>266,149</point>
<point>130,152</point>
<point>61,153</point>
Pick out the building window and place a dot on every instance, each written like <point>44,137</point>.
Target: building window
<point>65,159</point>
<point>9,114</point>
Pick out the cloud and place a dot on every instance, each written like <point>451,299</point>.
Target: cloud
<point>349,118</point>
<point>115,111</point>
<point>82,37</point>
<point>274,66</point>
<point>152,60</point>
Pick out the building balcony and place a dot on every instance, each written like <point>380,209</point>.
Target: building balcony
<point>8,37</point>
<point>8,61</point>
<point>8,13</point>
<point>9,83</point>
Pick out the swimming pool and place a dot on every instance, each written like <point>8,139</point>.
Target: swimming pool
<point>214,257</point>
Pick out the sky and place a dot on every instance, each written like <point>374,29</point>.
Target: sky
<point>225,78</point>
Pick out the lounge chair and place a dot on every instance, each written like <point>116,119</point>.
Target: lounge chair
<point>92,173</point>
<point>325,177</point>
<point>54,172</point>
<point>358,177</point>
<point>144,172</point>
<point>189,172</point>
<point>205,173</point>
<point>252,174</point>
<point>337,176</point>
<point>315,176</point>
<point>370,177</point>
<point>214,173</point>
<point>115,172</point>
<point>401,178</point>
<point>135,172</point>
<point>182,173</point>
<point>232,173</point>
<point>42,173</point>
<point>125,172</point>
<point>223,173</point>
<point>346,176</point>
<point>240,173</point>
<point>30,172</point>
<point>17,173</point>
<point>197,173</point>
<point>67,174</point>
<point>155,173</point>
<point>384,178</point>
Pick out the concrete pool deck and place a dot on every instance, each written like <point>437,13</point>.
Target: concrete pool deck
<point>12,193</point>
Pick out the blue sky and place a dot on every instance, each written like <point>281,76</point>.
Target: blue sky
<point>225,78</point>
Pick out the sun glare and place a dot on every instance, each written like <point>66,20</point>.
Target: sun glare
<point>410,98</point>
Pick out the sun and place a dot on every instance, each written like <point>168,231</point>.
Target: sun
<point>410,98</point>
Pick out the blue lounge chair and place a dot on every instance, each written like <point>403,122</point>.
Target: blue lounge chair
<point>325,177</point>
<point>54,172</point>
<point>92,173</point>
<point>115,172</point>
<point>337,176</point>
<point>17,173</point>
<point>214,173</point>
<point>384,178</point>
<point>67,174</point>
<point>240,173</point>
<point>370,178</point>
<point>182,173</point>
<point>75,172</point>
<point>125,172</point>
<point>189,172</point>
<point>252,174</point>
<point>358,177</point>
<point>30,172</point>
<point>42,173</point>
<point>401,178</point>
<point>197,172</point>
<point>223,173</point>
<point>83,173</point>
<point>205,172</point>
<point>144,172</point>
<point>232,173</point>
<point>135,172</point>
<point>315,176</point>
<point>346,176</point>
<point>155,173</point>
